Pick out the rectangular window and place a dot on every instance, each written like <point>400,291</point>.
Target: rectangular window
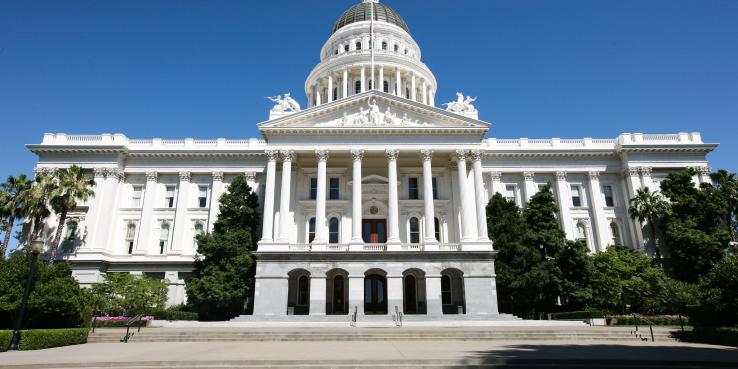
<point>202,196</point>
<point>136,196</point>
<point>511,193</point>
<point>541,186</point>
<point>130,235</point>
<point>333,192</point>
<point>164,238</point>
<point>313,188</point>
<point>435,188</point>
<point>169,197</point>
<point>609,198</point>
<point>412,188</point>
<point>576,197</point>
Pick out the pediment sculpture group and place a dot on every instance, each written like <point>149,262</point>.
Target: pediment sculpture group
<point>373,116</point>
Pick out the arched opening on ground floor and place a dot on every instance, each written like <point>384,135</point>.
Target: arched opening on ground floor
<point>375,292</point>
<point>298,292</point>
<point>413,288</point>
<point>452,291</point>
<point>337,292</point>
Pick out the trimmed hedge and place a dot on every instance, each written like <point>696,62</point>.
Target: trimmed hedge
<point>36,339</point>
<point>661,320</point>
<point>577,315</point>
<point>5,337</point>
<point>727,336</point>
<point>172,314</point>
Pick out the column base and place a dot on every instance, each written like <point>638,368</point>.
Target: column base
<point>271,246</point>
<point>431,246</point>
<point>394,245</point>
<point>356,245</point>
<point>475,245</point>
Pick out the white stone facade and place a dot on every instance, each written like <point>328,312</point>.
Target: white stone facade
<point>371,201</point>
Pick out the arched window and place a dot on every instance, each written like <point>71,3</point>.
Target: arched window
<point>358,46</point>
<point>437,225</point>
<point>303,290</point>
<point>311,230</point>
<point>346,48</point>
<point>385,87</point>
<point>397,48</point>
<point>615,234</point>
<point>163,237</point>
<point>445,290</point>
<point>130,235</point>
<point>414,230</point>
<point>384,45</point>
<point>333,230</point>
<point>357,88</point>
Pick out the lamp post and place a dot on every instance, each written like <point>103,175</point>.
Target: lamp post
<point>36,248</point>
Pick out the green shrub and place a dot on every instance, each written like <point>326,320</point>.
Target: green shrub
<point>173,314</point>
<point>118,324</point>
<point>5,337</point>
<point>576,315</point>
<point>661,320</point>
<point>36,339</point>
<point>727,336</point>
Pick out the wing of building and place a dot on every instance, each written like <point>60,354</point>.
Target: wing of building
<point>372,196</point>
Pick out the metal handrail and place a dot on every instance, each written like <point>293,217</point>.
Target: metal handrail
<point>137,318</point>
<point>397,317</point>
<point>640,317</point>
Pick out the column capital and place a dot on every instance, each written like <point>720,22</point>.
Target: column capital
<point>528,175</point>
<point>99,172</point>
<point>392,154</point>
<point>646,171</point>
<point>476,155</point>
<point>632,172</point>
<point>217,176</point>
<point>460,155</point>
<point>593,175</point>
<point>287,155</point>
<point>271,155</point>
<point>321,155</point>
<point>495,176</point>
<point>249,176</point>
<point>357,154</point>
<point>702,170</point>
<point>426,154</point>
<point>561,175</point>
<point>117,174</point>
<point>152,176</point>
<point>185,176</point>
<point>452,165</point>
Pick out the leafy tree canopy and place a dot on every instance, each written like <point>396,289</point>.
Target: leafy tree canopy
<point>125,294</point>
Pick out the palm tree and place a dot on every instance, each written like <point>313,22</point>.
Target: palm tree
<point>72,185</point>
<point>12,206</point>
<point>36,201</point>
<point>649,207</point>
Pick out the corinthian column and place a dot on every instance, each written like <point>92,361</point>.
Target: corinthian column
<point>320,225</point>
<point>393,227</point>
<point>268,219</point>
<point>284,197</point>
<point>481,203</point>
<point>356,156</point>
<point>467,207</point>
<point>430,230</point>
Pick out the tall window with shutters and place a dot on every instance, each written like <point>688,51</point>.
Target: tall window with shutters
<point>169,197</point>
<point>202,196</point>
<point>130,236</point>
<point>163,238</point>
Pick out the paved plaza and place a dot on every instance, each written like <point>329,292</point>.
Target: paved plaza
<point>376,354</point>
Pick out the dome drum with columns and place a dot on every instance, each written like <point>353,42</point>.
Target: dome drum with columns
<point>372,199</point>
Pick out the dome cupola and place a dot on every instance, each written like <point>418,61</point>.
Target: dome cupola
<point>362,12</point>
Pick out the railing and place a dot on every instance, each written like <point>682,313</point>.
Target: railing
<point>412,247</point>
<point>300,247</point>
<point>354,316</point>
<point>397,317</point>
<point>636,332</point>
<point>449,247</point>
<point>375,247</point>
<point>137,318</point>
<point>336,247</point>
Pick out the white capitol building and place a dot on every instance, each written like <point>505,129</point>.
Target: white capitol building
<point>373,196</point>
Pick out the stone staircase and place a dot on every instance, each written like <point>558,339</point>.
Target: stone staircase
<point>503,334</point>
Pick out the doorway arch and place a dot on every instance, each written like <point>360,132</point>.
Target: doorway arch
<point>452,291</point>
<point>375,292</point>
<point>298,292</point>
<point>337,292</point>
<point>413,289</point>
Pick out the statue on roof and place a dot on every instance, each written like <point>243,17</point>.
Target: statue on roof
<point>284,104</point>
<point>462,105</point>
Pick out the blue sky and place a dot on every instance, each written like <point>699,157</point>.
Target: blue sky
<point>541,68</point>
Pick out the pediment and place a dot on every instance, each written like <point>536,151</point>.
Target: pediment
<point>373,112</point>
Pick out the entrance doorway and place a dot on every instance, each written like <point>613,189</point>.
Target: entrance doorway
<point>339,303</point>
<point>375,294</point>
<point>374,230</point>
<point>411,295</point>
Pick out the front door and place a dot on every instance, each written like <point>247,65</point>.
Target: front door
<point>374,230</point>
<point>338,298</point>
<point>375,294</point>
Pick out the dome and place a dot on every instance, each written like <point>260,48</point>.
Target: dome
<point>360,12</point>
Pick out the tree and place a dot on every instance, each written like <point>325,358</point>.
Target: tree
<point>575,265</point>
<point>72,185</point>
<point>12,205</point>
<point>223,274</point>
<point>720,290</point>
<point>623,278</point>
<point>544,228</point>
<point>695,228</point>
<point>36,203</point>
<point>727,187</point>
<point>649,207</point>
<point>56,300</point>
<point>125,294</point>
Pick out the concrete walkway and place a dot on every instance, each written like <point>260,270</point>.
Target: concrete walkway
<point>376,354</point>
